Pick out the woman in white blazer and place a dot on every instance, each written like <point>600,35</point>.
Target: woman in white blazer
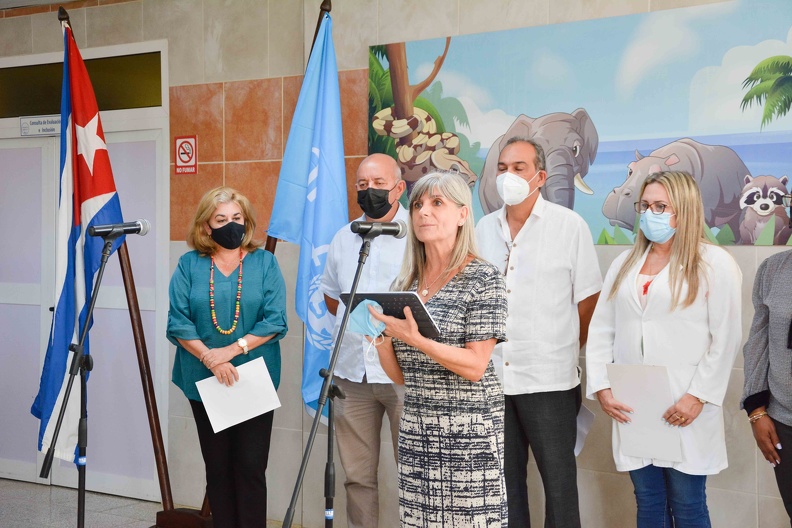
<point>672,300</point>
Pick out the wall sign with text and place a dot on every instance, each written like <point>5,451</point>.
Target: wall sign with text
<point>186,155</point>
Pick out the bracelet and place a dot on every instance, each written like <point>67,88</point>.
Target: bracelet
<point>702,401</point>
<point>755,417</point>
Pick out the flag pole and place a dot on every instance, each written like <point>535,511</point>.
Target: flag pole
<point>328,389</point>
<point>145,376</point>
<point>326,7</point>
<point>171,516</point>
<point>63,16</point>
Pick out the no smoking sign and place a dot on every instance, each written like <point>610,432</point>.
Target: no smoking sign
<point>185,155</point>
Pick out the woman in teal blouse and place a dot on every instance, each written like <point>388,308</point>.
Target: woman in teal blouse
<point>221,318</point>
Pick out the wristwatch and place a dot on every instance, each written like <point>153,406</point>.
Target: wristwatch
<point>243,344</point>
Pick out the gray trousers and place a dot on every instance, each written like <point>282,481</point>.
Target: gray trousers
<point>547,423</point>
<point>358,422</point>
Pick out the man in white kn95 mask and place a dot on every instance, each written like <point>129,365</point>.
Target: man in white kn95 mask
<point>547,256</point>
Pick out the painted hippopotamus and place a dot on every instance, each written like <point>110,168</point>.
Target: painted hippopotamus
<point>570,143</point>
<point>718,170</point>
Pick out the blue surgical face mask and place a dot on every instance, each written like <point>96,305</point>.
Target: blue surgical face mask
<point>657,227</point>
<point>361,321</point>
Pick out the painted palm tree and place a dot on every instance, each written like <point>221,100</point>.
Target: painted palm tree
<point>770,83</point>
<point>455,116</point>
<point>380,96</point>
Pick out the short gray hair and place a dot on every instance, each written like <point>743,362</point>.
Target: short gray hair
<point>539,160</point>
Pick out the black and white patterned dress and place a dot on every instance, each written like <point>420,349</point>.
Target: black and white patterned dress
<point>451,431</point>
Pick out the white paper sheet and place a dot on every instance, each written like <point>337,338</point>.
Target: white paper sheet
<point>584,420</point>
<point>251,396</point>
<point>647,390</point>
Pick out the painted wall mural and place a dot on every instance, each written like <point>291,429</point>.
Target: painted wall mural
<point>703,89</point>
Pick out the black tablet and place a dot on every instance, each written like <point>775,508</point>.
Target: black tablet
<point>393,304</point>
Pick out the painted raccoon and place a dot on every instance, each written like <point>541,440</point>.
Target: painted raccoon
<point>762,199</point>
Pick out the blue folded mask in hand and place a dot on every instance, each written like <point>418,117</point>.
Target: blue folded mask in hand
<point>361,321</point>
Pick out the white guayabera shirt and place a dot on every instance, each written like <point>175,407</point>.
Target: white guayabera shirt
<point>549,267</point>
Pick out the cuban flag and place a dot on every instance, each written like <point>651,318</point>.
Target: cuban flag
<point>311,200</point>
<point>87,196</point>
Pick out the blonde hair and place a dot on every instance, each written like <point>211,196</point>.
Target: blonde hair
<point>686,262</point>
<point>453,187</point>
<point>198,239</point>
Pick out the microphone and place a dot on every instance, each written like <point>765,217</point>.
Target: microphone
<point>374,229</point>
<point>138,227</point>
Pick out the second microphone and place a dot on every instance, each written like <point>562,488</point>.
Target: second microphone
<point>374,229</point>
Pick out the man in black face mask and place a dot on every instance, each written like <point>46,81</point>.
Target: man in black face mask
<point>369,392</point>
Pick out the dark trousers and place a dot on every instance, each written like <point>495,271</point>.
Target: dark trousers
<point>783,471</point>
<point>547,422</point>
<point>236,461</point>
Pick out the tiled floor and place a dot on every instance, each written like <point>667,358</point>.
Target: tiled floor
<point>26,505</point>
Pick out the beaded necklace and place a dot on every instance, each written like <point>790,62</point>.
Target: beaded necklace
<point>212,301</point>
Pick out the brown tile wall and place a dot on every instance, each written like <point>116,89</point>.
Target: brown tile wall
<point>241,129</point>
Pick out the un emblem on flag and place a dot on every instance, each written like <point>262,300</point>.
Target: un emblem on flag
<point>320,321</point>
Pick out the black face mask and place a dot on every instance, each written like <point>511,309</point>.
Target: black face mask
<point>374,202</point>
<point>230,235</point>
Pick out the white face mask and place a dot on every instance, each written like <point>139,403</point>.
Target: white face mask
<point>512,189</point>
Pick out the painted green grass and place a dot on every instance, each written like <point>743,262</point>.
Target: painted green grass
<point>724,237</point>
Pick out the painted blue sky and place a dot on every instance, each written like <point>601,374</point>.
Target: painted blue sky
<point>645,80</point>
<point>670,73</point>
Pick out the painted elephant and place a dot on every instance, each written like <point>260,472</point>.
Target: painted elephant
<point>570,143</point>
<point>718,170</point>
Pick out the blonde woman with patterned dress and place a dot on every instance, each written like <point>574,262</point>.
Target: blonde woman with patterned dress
<point>451,431</point>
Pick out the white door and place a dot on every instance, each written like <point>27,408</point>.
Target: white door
<point>120,458</point>
<point>26,204</point>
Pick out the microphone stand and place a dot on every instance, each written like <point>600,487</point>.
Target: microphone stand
<point>329,390</point>
<point>82,363</point>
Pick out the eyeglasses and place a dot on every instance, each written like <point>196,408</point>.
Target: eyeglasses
<point>787,200</point>
<point>656,207</point>
<point>362,185</point>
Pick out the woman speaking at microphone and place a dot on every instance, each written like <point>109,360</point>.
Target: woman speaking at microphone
<point>451,431</point>
<point>219,320</point>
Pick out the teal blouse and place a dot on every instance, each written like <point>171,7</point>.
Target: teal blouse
<point>262,312</point>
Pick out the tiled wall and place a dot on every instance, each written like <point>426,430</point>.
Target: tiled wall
<point>241,130</point>
<point>235,69</point>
